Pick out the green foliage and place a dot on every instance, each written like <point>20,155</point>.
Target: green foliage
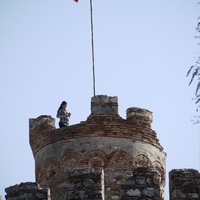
<point>194,72</point>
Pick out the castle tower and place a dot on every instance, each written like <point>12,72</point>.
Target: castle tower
<point>96,158</point>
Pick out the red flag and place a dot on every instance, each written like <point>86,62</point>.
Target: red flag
<point>76,1</point>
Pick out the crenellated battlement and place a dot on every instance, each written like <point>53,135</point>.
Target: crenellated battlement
<point>139,116</point>
<point>104,121</point>
<point>104,157</point>
<point>104,105</point>
<point>104,140</point>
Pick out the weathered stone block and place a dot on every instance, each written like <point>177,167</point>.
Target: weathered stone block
<point>104,105</point>
<point>139,115</point>
<point>27,191</point>
<point>184,184</point>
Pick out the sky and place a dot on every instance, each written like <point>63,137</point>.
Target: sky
<point>143,50</point>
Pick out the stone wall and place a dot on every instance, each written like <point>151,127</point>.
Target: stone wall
<point>103,104</point>
<point>87,184</point>
<point>184,184</point>
<point>27,191</point>
<point>144,184</point>
<point>115,156</point>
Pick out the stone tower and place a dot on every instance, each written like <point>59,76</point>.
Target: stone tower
<point>98,158</point>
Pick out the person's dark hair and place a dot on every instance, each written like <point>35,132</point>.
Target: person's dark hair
<point>63,103</point>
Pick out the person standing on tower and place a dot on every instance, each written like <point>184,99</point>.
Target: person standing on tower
<point>63,115</point>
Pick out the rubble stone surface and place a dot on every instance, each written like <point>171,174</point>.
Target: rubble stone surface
<point>184,184</point>
<point>27,191</point>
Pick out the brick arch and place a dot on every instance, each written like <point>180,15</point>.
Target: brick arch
<point>70,160</point>
<point>95,159</point>
<point>50,168</point>
<point>161,169</point>
<point>120,161</point>
<point>142,161</point>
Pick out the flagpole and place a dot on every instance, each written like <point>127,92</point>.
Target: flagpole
<point>92,37</point>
